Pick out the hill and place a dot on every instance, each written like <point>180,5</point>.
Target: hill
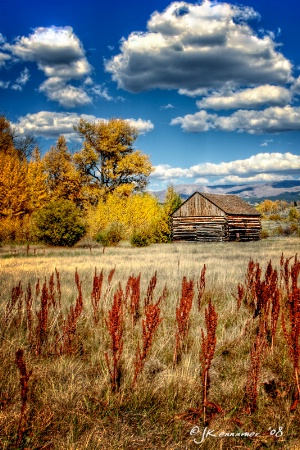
<point>288,190</point>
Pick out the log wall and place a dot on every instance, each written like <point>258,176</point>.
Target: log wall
<point>218,228</point>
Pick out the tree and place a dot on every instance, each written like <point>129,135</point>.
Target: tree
<point>171,203</point>
<point>63,180</point>
<point>108,160</point>
<point>37,181</point>
<point>13,141</point>
<point>59,223</point>
<point>6,137</point>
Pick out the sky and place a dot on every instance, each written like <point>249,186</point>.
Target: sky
<point>213,87</point>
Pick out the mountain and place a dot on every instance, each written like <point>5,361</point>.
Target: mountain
<point>288,190</point>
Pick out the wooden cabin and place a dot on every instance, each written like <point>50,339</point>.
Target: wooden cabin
<point>212,217</point>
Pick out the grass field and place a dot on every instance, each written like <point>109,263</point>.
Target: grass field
<point>71,402</point>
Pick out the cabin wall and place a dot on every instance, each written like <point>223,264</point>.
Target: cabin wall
<point>244,228</point>
<point>216,229</point>
<point>197,206</point>
<point>199,229</point>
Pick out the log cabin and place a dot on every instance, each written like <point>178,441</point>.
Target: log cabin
<point>214,217</point>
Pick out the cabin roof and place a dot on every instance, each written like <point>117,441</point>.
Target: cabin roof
<point>229,203</point>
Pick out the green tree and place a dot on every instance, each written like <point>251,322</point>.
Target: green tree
<point>59,223</point>
<point>108,160</point>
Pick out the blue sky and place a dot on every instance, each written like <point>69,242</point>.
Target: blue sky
<point>213,87</point>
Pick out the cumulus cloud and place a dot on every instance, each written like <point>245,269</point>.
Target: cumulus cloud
<point>247,98</point>
<point>269,120</point>
<point>198,46</point>
<point>142,126</point>
<point>67,96</point>
<point>52,124</point>
<point>259,165</point>
<point>57,51</point>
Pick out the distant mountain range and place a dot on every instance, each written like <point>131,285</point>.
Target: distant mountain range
<point>288,190</point>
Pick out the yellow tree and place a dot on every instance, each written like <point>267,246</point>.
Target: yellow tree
<point>14,193</point>
<point>6,137</point>
<point>37,181</point>
<point>63,180</point>
<point>108,160</point>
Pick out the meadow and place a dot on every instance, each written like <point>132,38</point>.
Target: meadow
<point>150,348</point>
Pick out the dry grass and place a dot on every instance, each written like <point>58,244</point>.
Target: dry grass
<point>70,402</point>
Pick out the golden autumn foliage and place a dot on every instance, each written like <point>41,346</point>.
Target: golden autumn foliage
<point>108,159</point>
<point>63,180</point>
<point>37,182</point>
<point>139,211</point>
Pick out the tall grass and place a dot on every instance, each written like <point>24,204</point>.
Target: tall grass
<point>99,335</point>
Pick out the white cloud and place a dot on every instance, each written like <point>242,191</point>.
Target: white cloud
<point>143,126</point>
<point>57,51</point>
<point>22,79</point>
<point>261,177</point>
<point>269,120</point>
<point>4,84</point>
<point>198,46</point>
<point>168,106</point>
<point>52,124</point>
<point>102,92</point>
<point>66,95</point>
<point>266,143</point>
<point>247,98</point>
<point>259,165</point>
<point>4,57</point>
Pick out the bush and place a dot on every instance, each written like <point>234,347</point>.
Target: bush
<point>59,224</point>
<point>265,234</point>
<point>139,239</point>
<point>112,235</point>
<point>276,217</point>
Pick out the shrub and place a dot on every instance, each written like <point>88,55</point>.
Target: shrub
<point>139,239</point>
<point>264,234</point>
<point>294,214</point>
<point>59,223</point>
<point>275,217</point>
<point>112,235</point>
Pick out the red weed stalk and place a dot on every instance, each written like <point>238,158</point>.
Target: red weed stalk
<point>208,346</point>
<point>149,326</point>
<point>115,326</point>
<point>133,293</point>
<point>201,286</point>
<point>28,303</point>
<point>109,280</point>
<point>292,334</point>
<point>150,290</point>
<point>240,295</point>
<point>183,317</point>
<point>42,325</point>
<point>24,380</point>
<point>14,305</point>
<point>70,325</point>
<point>256,355</point>
<point>96,295</point>
<point>262,296</point>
